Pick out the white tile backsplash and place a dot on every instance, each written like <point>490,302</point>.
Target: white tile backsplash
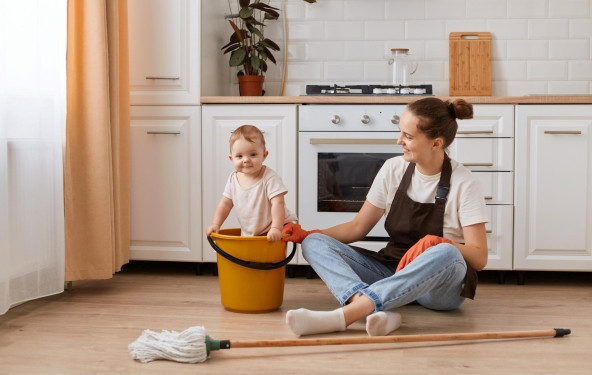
<point>546,70</point>
<point>568,87</point>
<point>486,9</point>
<point>437,9</point>
<point>344,71</point>
<point>356,51</point>
<point>363,10</point>
<point>527,49</point>
<point>325,51</point>
<point>528,9</point>
<point>538,46</point>
<point>580,70</point>
<point>548,29</point>
<point>580,28</point>
<point>384,30</point>
<point>344,30</point>
<point>569,8</point>
<point>569,50</point>
<point>405,10</point>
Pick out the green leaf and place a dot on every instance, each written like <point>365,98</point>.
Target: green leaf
<point>263,6</point>
<point>270,44</point>
<point>270,55</point>
<point>256,31</point>
<point>238,57</point>
<point>245,13</point>
<point>230,47</point>
<point>270,12</point>
<point>255,63</point>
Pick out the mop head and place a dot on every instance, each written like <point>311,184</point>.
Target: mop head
<point>188,346</point>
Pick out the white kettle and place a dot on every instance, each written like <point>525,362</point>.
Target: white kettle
<point>402,65</point>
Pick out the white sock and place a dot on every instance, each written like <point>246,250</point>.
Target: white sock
<point>382,323</point>
<point>308,322</point>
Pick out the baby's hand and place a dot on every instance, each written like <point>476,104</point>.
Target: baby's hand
<point>212,229</point>
<point>274,234</point>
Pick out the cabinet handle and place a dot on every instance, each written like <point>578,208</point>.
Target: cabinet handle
<point>488,231</point>
<point>169,78</point>
<point>478,164</point>
<point>488,197</point>
<point>336,141</point>
<point>164,132</point>
<point>474,132</point>
<point>561,132</point>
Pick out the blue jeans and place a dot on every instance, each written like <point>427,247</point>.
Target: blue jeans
<point>434,279</point>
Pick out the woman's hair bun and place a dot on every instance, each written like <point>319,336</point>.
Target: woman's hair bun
<point>460,109</point>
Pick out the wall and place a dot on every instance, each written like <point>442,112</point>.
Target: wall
<point>538,46</point>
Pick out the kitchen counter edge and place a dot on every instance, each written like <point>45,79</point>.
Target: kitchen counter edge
<point>527,99</point>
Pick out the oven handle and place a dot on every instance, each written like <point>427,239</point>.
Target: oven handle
<point>348,141</point>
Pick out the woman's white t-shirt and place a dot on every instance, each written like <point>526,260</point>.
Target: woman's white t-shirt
<point>465,204</point>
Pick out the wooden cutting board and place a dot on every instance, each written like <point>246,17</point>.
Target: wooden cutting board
<point>470,63</point>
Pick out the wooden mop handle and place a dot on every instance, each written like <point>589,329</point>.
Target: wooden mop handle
<point>557,332</point>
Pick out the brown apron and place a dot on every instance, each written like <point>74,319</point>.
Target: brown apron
<point>409,221</point>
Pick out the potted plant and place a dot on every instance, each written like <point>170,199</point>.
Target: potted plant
<point>248,46</point>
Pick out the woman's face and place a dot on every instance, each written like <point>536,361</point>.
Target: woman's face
<point>417,147</point>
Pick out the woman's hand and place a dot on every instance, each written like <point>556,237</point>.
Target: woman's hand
<point>420,246</point>
<point>295,233</point>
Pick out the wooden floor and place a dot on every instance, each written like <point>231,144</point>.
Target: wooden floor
<point>87,330</point>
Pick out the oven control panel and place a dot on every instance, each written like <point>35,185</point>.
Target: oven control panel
<point>350,118</point>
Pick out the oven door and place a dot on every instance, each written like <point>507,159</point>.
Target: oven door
<point>335,172</point>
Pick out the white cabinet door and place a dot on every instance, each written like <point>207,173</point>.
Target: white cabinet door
<point>485,145</point>
<point>499,237</point>
<point>278,124</point>
<point>553,190</point>
<point>165,183</point>
<point>164,45</point>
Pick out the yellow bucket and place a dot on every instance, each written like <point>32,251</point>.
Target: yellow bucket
<point>251,271</point>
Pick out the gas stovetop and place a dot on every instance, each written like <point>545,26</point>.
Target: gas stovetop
<point>411,90</point>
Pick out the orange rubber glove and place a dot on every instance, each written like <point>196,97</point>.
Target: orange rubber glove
<point>295,233</point>
<point>420,246</point>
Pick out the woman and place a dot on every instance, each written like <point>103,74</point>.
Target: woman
<point>422,193</point>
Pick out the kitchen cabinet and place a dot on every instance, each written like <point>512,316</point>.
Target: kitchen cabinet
<point>485,145</point>
<point>164,45</point>
<point>553,188</point>
<point>166,183</point>
<point>278,124</point>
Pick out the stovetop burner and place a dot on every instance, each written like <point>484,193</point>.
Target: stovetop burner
<point>337,90</point>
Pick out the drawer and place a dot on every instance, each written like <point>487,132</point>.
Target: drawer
<point>484,154</point>
<point>488,121</point>
<point>498,187</point>
<point>500,237</point>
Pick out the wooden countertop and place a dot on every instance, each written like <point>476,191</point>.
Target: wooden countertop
<point>367,99</point>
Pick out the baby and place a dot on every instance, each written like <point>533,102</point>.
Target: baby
<point>253,189</point>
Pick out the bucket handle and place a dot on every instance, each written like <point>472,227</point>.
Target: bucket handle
<point>253,265</point>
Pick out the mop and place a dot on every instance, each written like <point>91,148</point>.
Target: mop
<point>194,345</point>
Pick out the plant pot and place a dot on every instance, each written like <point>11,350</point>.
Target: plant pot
<point>250,85</point>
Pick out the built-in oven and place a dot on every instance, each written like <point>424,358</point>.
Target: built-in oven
<point>340,150</point>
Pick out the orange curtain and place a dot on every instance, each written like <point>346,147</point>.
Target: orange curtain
<point>97,155</point>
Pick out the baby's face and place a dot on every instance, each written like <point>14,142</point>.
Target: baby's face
<point>247,157</point>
